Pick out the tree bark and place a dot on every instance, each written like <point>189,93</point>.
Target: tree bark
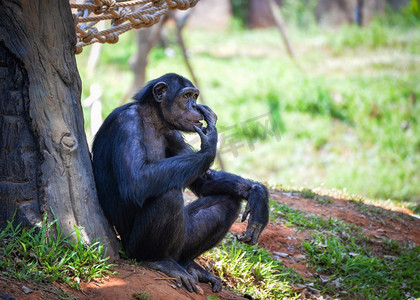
<point>260,14</point>
<point>44,158</point>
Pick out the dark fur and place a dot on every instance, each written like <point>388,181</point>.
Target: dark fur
<point>143,199</point>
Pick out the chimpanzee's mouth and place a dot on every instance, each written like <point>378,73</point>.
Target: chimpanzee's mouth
<point>199,124</point>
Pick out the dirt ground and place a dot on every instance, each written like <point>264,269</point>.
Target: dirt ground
<point>132,282</point>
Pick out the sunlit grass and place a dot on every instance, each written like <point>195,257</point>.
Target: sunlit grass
<point>353,268</point>
<point>252,270</point>
<point>44,254</point>
<point>295,217</point>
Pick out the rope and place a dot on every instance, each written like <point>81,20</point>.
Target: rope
<point>124,15</point>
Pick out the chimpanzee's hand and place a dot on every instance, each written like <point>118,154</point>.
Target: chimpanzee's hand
<point>208,114</point>
<point>258,209</point>
<point>252,234</point>
<point>208,134</point>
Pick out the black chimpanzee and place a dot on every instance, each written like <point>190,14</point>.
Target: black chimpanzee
<point>142,165</point>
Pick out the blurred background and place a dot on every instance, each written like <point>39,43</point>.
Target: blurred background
<point>319,94</point>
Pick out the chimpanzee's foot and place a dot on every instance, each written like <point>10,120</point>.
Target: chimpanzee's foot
<point>175,270</point>
<point>203,276</point>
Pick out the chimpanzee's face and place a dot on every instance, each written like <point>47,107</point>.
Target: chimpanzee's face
<point>179,107</point>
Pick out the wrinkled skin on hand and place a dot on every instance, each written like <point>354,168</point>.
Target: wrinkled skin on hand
<point>258,210</point>
<point>207,134</point>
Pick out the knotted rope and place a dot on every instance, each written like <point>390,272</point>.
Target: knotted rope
<point>124,15</point>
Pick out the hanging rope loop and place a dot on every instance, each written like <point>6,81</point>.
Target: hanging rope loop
<point>124,15</point>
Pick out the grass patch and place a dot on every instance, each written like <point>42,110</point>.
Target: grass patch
<point>252,270</point>
<point>352,36</point>
<point>353,265</point>
<point>44,254</point>
<point>353,268</point>
<point>307,193</point>
<point>295,217</point>
<point>140,296</point>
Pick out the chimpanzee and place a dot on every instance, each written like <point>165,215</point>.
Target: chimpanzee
<point>142,166</point>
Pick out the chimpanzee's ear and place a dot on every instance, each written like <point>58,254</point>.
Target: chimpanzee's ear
<point>159,91</point>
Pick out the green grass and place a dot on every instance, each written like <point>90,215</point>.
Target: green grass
<point>142,296</point>
<point>295,217</point>
<point>353,268</point>
<point>252,270</point>
<point>351,264</point>
<point>353,37</point>
<point>45,254</point>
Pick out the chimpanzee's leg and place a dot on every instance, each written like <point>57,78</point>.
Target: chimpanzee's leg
<point>207,219</point>
<point>158,228</point>
<point>157,237</point>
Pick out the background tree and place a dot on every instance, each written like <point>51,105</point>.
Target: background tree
<point>44,156</point>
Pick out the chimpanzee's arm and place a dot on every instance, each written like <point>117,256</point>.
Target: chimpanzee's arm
<point>218,182</point>
<point>176,145</point>
<point>210,182</point>
<point>223,183</point>
<point>130,164</point>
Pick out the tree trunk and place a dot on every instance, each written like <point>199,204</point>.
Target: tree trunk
<point>44,158</point>
<point>260,14</point>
